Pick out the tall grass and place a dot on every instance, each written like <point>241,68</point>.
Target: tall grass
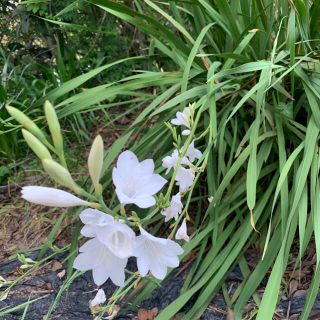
<point>252,67</point>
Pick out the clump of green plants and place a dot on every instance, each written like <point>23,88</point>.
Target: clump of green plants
<point>252,67</point>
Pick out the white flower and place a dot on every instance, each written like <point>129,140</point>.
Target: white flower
<point>184,178</point>
<point>51,197</point>
<point>182,232</point>
<point>156,254</point>
<point>95,256</point>
<point>115,235</point>
<point>135,181</point>
<point>99,298</point>
<point>210,199</point>
<point>183,118</point>
<point>169,162</point>
<point>118,238</point>
<point>193,153</point>
<point>93,219</point>
<point>174,209</point>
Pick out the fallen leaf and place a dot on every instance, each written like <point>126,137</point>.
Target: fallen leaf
<point>300,293</point>
<point>56,266</point>
<point>144,314</point>
<point>61,274</point>
<point>293,287</point>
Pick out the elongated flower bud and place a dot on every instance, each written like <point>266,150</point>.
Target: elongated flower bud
<point>26,122</point>
<point>37,147</point>
<point>54,126</point>
<point>51,197</point>
<point>60,174</point>
<point>95,162</point>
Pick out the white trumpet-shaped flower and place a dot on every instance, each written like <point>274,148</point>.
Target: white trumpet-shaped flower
<point>51,197</point>
<point>175,207</point>
<point>193,153</point>
<point>181,233</point>
<point>183,119</point>
<point>118,238</point>
<point>184,178</point>
<point>156,254</point>
<point>170,162</point>
<point>99,298</point>
<point>96,256</point>
<point>135,181</point>
<point>115,235</point>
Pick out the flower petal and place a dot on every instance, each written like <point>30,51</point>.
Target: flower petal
<point>145,202</point>
<point>127,160</point>
<point>153,185</point>
<point>100,275</point>
<point>158,270</point>
<point>147,167</point>
<point>95,217</point>
<point>88,231</point>
<point>143,266</point>
<point>185,132</point>
<point>99,298</point>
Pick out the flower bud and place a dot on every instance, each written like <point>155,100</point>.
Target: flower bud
<point>95,162</point>
<point>26,122</point>
<point>51,197</point>
<point>60,174</point>
<point>54,126</point>
<point>37,147</point>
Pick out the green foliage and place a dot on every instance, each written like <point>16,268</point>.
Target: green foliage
<point>253,64</point>
<point>252,69</point>
<point>45,46</point>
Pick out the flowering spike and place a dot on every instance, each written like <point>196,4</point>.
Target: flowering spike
<point>37,147</point>
<point>60,174</point>
<point>26,122</point>
<point>54,126</point>
<point>95,162</point>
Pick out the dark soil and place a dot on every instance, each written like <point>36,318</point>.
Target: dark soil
<point>74,304</point>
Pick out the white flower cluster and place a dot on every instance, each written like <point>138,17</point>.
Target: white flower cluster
<point>185,174</point>
<point>113,242</point>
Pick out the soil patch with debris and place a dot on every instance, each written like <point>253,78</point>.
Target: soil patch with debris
<point>46,282</point>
